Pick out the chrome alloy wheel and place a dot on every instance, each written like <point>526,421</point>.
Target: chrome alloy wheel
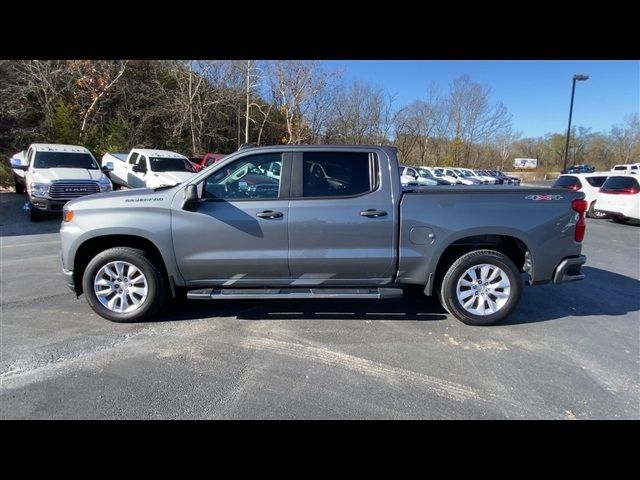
<point>120,287</point>
<point>483,289</point>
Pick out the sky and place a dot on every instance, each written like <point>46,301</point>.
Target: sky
<point>537,93</point>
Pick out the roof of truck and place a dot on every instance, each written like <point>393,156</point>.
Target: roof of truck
<point>158,153</point>
<point>55,147</point>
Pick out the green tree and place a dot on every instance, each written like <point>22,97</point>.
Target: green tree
<point>64,127</point>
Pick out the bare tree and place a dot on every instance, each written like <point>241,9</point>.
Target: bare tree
<point>46,81</point>
<point>190,98</point>
<point>472,117</point>
<point>505,145</point>
<point>625,140</point>
<point>361,114</point>
<point>94,79</point>
<point>294,84</point>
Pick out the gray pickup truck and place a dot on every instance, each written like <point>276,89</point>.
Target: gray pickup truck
<point>318,221</point>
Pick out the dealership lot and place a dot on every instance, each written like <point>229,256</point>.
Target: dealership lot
<point>568,352</point>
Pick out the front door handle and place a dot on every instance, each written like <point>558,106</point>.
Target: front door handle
<point>269,214</point>
<point>372,212</point>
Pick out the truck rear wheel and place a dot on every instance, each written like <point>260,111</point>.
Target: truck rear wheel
<point>122,284</point>
<point>481,287</point>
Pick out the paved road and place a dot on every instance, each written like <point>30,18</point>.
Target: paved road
<point>569,352</point>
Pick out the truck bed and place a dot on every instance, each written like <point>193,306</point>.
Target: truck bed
<point>434,218</point>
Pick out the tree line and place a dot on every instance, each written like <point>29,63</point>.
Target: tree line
<point>199,106</point>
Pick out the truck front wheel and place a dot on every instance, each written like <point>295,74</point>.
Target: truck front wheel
<point>122,284</point>
<point>18,186</point>
<point>481,287</point>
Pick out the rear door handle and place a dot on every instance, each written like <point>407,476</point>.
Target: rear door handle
<point>372,212</point>
<point>269,214</point>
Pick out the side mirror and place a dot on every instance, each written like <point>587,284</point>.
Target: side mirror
<point>136,168</point>
<point>190,202</point>
<point>17,164</point>
<point>108,167</point>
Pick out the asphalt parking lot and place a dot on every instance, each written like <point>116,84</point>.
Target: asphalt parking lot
<point>569,352</point>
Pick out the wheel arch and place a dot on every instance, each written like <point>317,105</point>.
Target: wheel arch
<point>511,246</point>
<point>94,245</point>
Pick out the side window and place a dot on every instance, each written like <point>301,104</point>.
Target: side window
<point>245,178</point>
<point>133,158</point>
<point>596,181</point>
<point>142,163</point>
<point>335,174</point>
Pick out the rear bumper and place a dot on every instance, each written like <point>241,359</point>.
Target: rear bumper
<point>568,270</point>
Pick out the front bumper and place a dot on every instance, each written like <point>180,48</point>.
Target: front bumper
<point>47,204</point>
<point>68,276</point>
<point>568,270</point>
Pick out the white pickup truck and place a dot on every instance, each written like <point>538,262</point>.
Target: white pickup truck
<point>53,174</point>
<point>147,168</point>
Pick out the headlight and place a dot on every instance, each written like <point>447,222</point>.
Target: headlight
<point>40,189</point>
<point>105,184</point>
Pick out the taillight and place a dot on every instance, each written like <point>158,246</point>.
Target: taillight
<point>621,191</point>
<point>580,206</point>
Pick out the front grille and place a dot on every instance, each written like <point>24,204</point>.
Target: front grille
<point>68,190</point>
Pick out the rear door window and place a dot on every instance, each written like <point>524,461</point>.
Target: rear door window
<point>336,174</point>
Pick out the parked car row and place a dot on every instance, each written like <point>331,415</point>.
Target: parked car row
<point>53,174</point>
<point>615,196</point>
<point>431,176</point>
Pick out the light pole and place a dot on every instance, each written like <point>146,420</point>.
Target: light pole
<point>578,78</point>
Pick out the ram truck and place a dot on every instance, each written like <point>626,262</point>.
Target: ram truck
<point>346,230</point>
<point>145,168</point>
<point>53,174</point>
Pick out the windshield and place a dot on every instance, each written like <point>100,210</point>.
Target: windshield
<point>64,160</point>
<point>161,164</point>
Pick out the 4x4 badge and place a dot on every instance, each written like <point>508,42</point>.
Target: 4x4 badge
<point>543,197</point>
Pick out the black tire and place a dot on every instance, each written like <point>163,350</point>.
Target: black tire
<point>593,213</point>
<point>18,186</point>
<point>34,214</point>
<point>156,289</point>
<point>449,298</point>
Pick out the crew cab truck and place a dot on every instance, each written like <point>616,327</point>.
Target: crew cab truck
<point>54,174</point>
<point>147,168</point>
<point>359,235</point>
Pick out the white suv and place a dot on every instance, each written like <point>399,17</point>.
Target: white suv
<point>627,168</point>
<point>589,183</point>
<point>55,174</point>
<point>619,197</point>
